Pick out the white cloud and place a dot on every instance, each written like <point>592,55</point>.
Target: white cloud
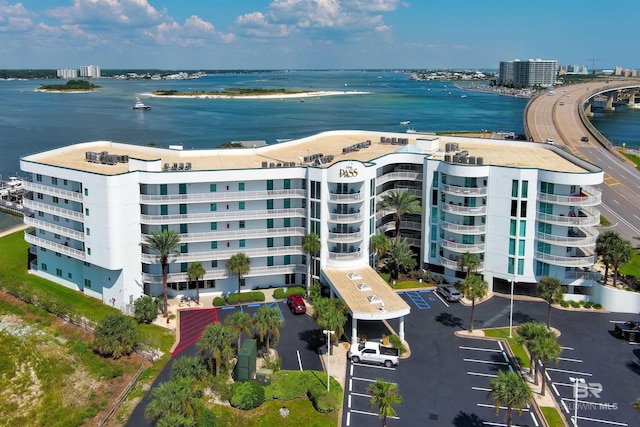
<point>122,12</point>
<point>14,18</point>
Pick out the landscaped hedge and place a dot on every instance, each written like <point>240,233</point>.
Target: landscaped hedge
<point>219,302</point>
<point>289,385</point>
<point>247,395</point>
<point>280,293</point>
<point>253,296</point>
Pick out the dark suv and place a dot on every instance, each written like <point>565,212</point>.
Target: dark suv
<point>448,292</point>
<point>296,304</point>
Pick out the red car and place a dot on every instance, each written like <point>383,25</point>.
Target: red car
<point>296,304</point>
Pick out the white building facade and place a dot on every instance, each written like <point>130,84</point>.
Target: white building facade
<point>527,209</point>
<point>90,71</point>
<point>67,73</point>
<point>528,73</point>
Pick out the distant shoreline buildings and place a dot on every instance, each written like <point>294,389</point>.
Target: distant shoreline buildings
<point>91,71</point>
<point>533,72</point>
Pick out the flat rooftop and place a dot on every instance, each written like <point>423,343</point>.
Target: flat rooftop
<point>333,143</point>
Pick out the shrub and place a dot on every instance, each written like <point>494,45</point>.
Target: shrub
<point>272,363</point>
<point>279,293</point>
<point>206,419</point>
<point>574,304</point>
<point>588,304</point>
<point>221,387</point>
<point>322,400</point>
<point>397,343</point>
<point>232,299</point>
<point>219,302</point>
<point>564,303</point>
<point>327,402</point>
<point>254,296</point>
<point>146,308</point>
<point>288,385</point>
<point>115,335</point>
<point>247,395</point>
<point>597,306</point>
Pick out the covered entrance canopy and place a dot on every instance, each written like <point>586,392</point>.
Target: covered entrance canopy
<point>367,295</point>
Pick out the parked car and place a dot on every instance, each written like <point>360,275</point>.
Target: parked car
<point>374,352</point>
<point>584,139</point>
<point>550,141</point>
<point>296,304</point>
<point>628,330</point>
<point>448,292</point>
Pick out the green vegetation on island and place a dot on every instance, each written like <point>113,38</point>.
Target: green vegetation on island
<point>71,85</point>
<point>233,91</point>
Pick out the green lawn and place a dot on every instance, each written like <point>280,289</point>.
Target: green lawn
<point>635,159</point>
<point>518,350</point>
<point>553,417</point>
<point>632,268</point>
<point>301,413</point>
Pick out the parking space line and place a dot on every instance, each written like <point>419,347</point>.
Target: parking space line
<point>359,395</point>
<point>348,418</point>
<point>553,385</point>
<point>372,366</point>
<point>615,423</point>
<point>570,372</point>
<point>418,300</point>
<point>480,349</point>
<point>480,389</point>
<point>355,411</point>
<point>363,379</point>
<point>566,359</point>
<point>566,348</point>
<point>535,421</point>
<point>506,358</point>
<point>484,405</point>
<point>479,374</point>
<point>500,344</point>
<point>564,405</point>
<point>488,362</point>
<point>573,386</point>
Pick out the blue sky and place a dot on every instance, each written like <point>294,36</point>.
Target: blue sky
<point>276,34</point>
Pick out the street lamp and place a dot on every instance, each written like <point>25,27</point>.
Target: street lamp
<point>511,312</point>
<point>576,381</point>
<point>328,333</point>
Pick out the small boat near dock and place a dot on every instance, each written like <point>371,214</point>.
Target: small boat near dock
<point>139,105</point>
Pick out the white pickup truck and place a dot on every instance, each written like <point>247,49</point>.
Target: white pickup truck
<point>373,352</point>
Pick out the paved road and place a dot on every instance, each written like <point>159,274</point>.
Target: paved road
<point>557,117</point>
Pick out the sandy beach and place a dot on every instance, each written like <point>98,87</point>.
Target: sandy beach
<point>273,96</point>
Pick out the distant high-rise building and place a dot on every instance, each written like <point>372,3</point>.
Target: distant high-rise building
<point>528,73</point>
<point>67,73</point>
<point>89,71</point>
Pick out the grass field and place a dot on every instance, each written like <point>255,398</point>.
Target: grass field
<point>632,268</point>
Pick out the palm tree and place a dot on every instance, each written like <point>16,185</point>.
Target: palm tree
<point>188,366</point>
<point>510,390</point>
<point>194,272</point>
<point>380,245</point>
<point>621,253</point>
<point>636,404</point>
<point>311,247</point>
<point>384,395</point>
<point>268,321</point>
<point>603,248</point>
<point>400,257</point>
<point>215,339</point>
<point>331,314</point>
<point>473,287</point>
<point>238,265</point>
<point>527,333</point>
<point>239,323</point>
<point>165,244</point>
<point>401,203</point>
<point>545,348</point>
<point>470,262</point>
<point>176,402</point>
<point>550,290</point>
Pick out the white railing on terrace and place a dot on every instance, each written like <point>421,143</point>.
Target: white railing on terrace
<point>567,241</point>
<point>592,218</point>
<point>395,176</point>
<point>56,247</point>
<point>404,225</point>
<point>345,255</point>
<point>223,274</point>
<point>221,196</point>
<point>237,234</point>
<point>346,217</point>
<point>53,228</point>
<point>564,261</point>
<point>52,191</point>
<point>345,237</point>
<point>464,191</point>
<point>463,229</point>
<point>222,216</point>
<point>462,247</point>
<point>220,254</point>
<point>346,198</point>
<point>463,210</point>
<point>596,276</point>
<point>415,191</point>
<point>584,200</point>
<point>53,210</point>
<point>453,264</point>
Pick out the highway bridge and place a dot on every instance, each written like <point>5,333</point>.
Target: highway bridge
<point>563,118</point>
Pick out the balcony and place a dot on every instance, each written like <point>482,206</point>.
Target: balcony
<point>346,198</point>
<point>463,229</point>
<point>463,210</point>
<point>590,196</point>
<point>453,264</point>
<point>351,237</point>
<point>563,261</point>
<point>53,246</point>
<point>464,191</point>
<point>221,216</point>
<point>221,196</point>
<point>346,217</point>
<point>52,210</point>
<point>52,191</point>
<point>238,234</point>
<point>462,247</point>
<point>53,228</point>
<point>399,176</point>
<point>404,225</point>
<point>225,254</point>
<point>345,256</point>
<point>588,240</point>
<point>588,217</point>
<point>223,274</point>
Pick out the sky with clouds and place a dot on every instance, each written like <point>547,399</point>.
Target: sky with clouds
<point>277,34</point>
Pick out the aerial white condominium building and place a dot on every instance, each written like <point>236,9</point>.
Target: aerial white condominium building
<point>528,73</point>
<point>67,73</point>
<point>527,209</point>
<point>89,71</point>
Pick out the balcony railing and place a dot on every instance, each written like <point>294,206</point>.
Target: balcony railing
<point>53,210</point>
<point>404,225</point>
<point>346,217</point>
<point>462,247</point>
<point>464,191</point>
<point>463,229</point>
<point>568,241</point>
<point>225,254</point>
<point>221,216</point>
<point>596,276</point>
<point>463,210</point>
<point>221,196</point>
<point>53,246</point>
<point>223,274</point>
<point>52,191</point>
<point>346,198</point>
<point>53,228</point>
<point>345,237</point>
<point>591,219</point>
<point>564,261</point>
<point>396,176</point>
<point>345,255</point>
<point>590,196</point>
<point>238,234</point>
<point>454,265</point>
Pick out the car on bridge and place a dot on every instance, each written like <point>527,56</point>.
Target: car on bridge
<point>584,139</point>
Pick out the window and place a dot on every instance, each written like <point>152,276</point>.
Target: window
<point>514,208</point>
<point>521,248</point>
<point>269,242</point>
<point>183,229</point>
<point>86,212</point>
<point>287,259</point>
<point>269,184</point>
<point>514,188</point>
<point>164,228</point>
<point>287,184</point>
<point>542,269</point>
<point>520,266</point>
<point>523,209</point>
<point>269,223</point>
<point>435,179</point>
<point>287,241</point>
<point>38,177</point>
<point>88,251</point>
<point>66,202</point>
<point>40,213</point>
<point>56,236</point>
<point>183,267</point>
<point>183,209</point>
<point>54,181</point>
<point>269,203</point>
<point>213,207</point>
<point>512,246</point>
<point>214,226</point>
<point>43,267</point>
<point>432,252</point>
<point>86,191</point>
<point>87,283</point>
<point>511,265</point>
<point>241,243</point>
<point>523,228</point>
<point>58,272</point>
<point>214,245</point>
<point>86,264</point>
<point>287,203</point>
<point>65,182</point>
<point>57,218</point>
<point>58,254</point>
<point>182,188</point>
<point>241,206</point>
<point>164,210</point>
<point>525,189</point>
<point>287,222</point>
<point>184,248</point>
<point>55,199</point>
<point>163,189</point>
<point>241,186</point>
<point>69,276</point>
<point>39,196</point>
<point>546,208</point>
<point>214,263</point>
<point>269,261</point>
<point>212,188</point>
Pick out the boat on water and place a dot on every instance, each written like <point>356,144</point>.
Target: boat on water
<point>139,105</point>
<point>405,122</point>
<point>463,96</point>
<point>11,187</point>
